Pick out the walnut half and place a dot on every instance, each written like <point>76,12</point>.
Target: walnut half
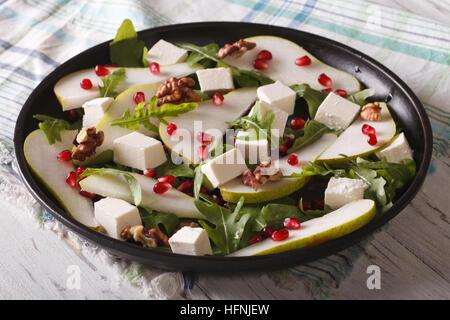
<point>371,112</point>
<point>236,49</point>
<point>262,174</point>
<point>148,237</point>
<point>176,91</point>
<point>86,142</point>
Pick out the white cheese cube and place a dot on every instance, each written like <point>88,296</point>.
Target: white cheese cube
<point>225,167</point>
<point>336,112</point>
<point>280,117</point>
<point>254,150</point>
<point>341,191</point>
<point>165,53</point>
<point>397,151</point>
<point>277,95</point>
<point>191,241</point>
<point>215,80</point>
<point>114,215</point>
<point>139,151</point>
<point>94,110</point>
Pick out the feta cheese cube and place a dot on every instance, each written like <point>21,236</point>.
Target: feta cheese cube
<point>165,53</point>
<point>191,241</point>
<point>215,80</point>
<point>94,110</point>
<point>254,150</point>
<point>277,95</point>
<point>280,117</point>
<point>397,151</point>
<point>225,167</point>
<point>336,112</point>
<point>341,191</point>
<point>114,215</point>
<point>139,151</point>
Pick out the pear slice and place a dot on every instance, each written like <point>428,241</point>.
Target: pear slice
<point>206,118</point>
<point>282,65</point>
<point>353,143</point>
<point>173,201</point>
<point>42,159</point>
<point>72,96</point>
<point>333,225</point>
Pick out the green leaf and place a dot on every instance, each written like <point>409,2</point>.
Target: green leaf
<point>313,97</point>
<point>111,82</point>
<point>360,97</point>
<point>250,78</point>
<point>133,184</point>
<point>166,222</point>
<point>52,127</point>
<point>183,170</point>
<point>126,50</point>
<point>313,131</point>
<point>199,53</point>
<point>198,180</point>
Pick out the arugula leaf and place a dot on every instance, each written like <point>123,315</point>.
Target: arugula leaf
<point>198,180</point>
<point>311,214</point>
<point>52,127</point>
<point>183,170</point>
<point>198,56</point>
<point>166,222</point>
<point>126,50</point>
<point>313,131</point>
<point>360,97</point>
<point>313,97</point>
<point>111,82</point>
<point>250,78</point>
<point>133,184</point>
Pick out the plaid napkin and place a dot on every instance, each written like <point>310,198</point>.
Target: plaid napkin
<point>36,36</point>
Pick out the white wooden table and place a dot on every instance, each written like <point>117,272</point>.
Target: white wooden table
<point>412,251</point>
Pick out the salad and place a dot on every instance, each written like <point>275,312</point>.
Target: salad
<point>241,149</point>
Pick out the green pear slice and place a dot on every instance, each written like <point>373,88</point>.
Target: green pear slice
<point>42,159</point>
<point>282,65</point>
<point>173,201</point>
<point>72,96</point>
<point>353,143</point>
<point>333,225</point>
<point>206,118</point>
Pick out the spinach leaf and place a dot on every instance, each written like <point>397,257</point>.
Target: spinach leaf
<point>183,170</point>
<point>313,97</point>
<point>360,97</point>
<point>52,127</point>
<point>126,50</point>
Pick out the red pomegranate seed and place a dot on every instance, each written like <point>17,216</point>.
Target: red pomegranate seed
<point>280,235</point>
<point>292,224</point>
<point>111,65</point>
<point>86,84</point>
<point>88,194</point>
<point>283,150</point>
<point>288,142</point>
<point>161,187</point>
<point>293,159</point>
<point>72,179</point>
<point>149,173</point>
<point>203,190</point>
<point>139,97</point>
<point>204,138</point>
<point>72,115</point>
<point>217,99</point>
<point>342,93</point>
<point>307,205</point>
<point>65,156</point>
<point>297,123</point>
<point>267,231</point>
<point>303,61</point>
<point>372,139</point>
<point>185,186</point>
<point>203,153</point>
<point>264,55</point>
<point>80,170</point>
<point>257,238</point>
<point>327,90</point>
<point>260,64</point>
<point>167,179</point>
<point>317,204</point>
<point>171,128</point>
<point>367,129</point>
<point>325,80</point>
<point>101,71</point>
<point>154,68</point>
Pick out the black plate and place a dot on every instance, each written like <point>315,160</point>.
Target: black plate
<point>404,105</point>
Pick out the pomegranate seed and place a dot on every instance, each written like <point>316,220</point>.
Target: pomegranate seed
<point>86,84</point>
<point>325,80</point>
<point>185,186</point>
<point>65,156</point>
<point>297,123</point>
<point>111,65</point>
<point>288,142</point>
<point>217,99</point>
<point>264,55</point>
<point>72,179</point>
<point>291,224</point>
<point>372,139</point>
<point>327,90</point>
<point>280,235</point>
<point>267,231</point>
<point>88,194</point>
<point>203,190</point>
<point>80,170</point>
<point>203,152</point>
<point>307,205</point>
<point>161,187</point>
<point>139,97</point>
<point>101,71</point>
<point>283,150</point>
<point>149,173</point>
<point>154,68</point>
<point>303,61</point>
<point>72,115</point>
<point>293,159</point>
<point>217,200</point>
<point>204,138</point>
<point>167,179</point>
<point>171,128</point>
<point>317,204</point>
<point>257,238</point>
<point>342,93</point>
<point>260,64</point>
<point>367,129</point>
